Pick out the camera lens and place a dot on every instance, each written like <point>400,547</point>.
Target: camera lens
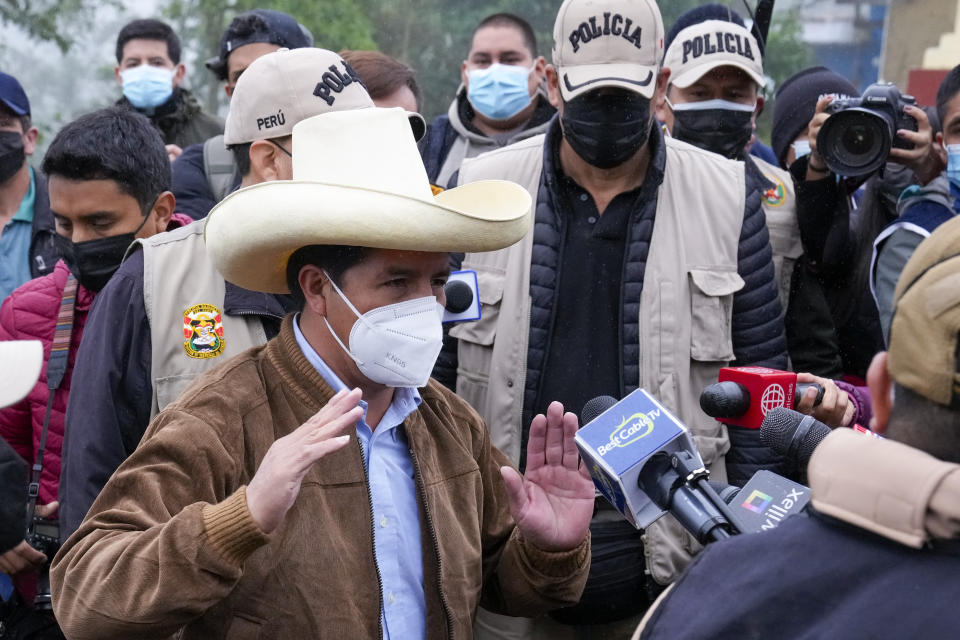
<point>858,140</point>
<point>854,142</point>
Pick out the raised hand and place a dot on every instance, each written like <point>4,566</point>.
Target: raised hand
<point>276,483</point>
<point>552,503</point>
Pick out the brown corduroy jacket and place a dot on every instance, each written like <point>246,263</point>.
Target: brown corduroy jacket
<point>169,545</point>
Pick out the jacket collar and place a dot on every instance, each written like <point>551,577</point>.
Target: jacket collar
<point>461,115</point>
<point>238,301</point>
<point>886,487</point>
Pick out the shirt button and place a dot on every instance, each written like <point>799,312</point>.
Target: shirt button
<point>391,598</point>
<point>583,197</point>
<point>591,219</point>
<point>383,521</point>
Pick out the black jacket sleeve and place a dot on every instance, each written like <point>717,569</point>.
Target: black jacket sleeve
<point>190,185</point>
<point>13,497</point>
<point>823,214</point>
<point>111,393</point>
<point>758,330</point>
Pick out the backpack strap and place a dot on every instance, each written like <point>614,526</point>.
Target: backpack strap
<point>219,167</point>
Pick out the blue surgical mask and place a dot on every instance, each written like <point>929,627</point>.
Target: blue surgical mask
<point>801,148</point>
<point>500,91</point>
<point>146,86</point>
<point>953,164</point>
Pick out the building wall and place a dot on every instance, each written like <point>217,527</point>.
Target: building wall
<point>913,26</point>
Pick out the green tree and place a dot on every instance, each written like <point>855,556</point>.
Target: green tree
<point>51,20</point>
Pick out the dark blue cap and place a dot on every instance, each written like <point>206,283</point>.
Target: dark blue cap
<point>13,96</point>
<point>274,27</point>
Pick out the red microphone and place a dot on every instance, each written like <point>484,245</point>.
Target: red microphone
<point>743,396</point>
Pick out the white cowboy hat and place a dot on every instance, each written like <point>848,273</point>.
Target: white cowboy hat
<point>357,180</point>
<point>20,365</point>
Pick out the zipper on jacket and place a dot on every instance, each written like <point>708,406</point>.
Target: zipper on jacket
<point>433,539</point>
<point>373,537</point>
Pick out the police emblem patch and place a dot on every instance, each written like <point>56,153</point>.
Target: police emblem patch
<point>203,331</point>
<point>776,195</point>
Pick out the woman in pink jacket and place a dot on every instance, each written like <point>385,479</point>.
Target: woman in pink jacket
<point>109,182</point>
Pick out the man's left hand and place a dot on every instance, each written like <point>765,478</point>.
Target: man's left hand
<point>552,503</point>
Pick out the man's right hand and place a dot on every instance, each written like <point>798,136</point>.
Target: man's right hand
<point>276,483</point>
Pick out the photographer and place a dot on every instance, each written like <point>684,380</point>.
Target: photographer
<point>840,218</point>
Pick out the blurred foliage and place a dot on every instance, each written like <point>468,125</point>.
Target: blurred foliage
<point>432,36</point>
<point>52,20</point>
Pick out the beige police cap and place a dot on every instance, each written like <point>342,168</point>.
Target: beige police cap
<point>282,88</point>
<point>607,44</point>
<point>704,46</point>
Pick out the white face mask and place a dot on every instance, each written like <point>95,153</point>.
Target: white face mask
<point>396,345</point>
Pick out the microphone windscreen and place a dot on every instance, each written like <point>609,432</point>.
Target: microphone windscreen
<point>779,432</point>
<point>459,296</point>
<point>727,399</point>
<point>595,407</point>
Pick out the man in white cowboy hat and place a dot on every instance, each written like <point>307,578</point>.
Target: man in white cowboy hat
<point>128,370</point>
<point>244,513</point>
<point>648,267</point>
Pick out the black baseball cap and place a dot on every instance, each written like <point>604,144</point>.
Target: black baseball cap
<point>13,96</point>
<point>273,27</point>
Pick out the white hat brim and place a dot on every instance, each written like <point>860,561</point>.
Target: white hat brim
<point>252,233</point>
<point>687,78</point>
<point>576,80</point>
<point>20,365</point>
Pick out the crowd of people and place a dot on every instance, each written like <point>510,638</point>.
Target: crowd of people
<point>230,406</point>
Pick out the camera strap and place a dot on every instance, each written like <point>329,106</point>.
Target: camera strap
<point>56,370</point>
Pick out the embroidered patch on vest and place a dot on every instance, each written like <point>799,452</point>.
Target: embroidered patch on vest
<point>203,331</point>
<point>776,195</point>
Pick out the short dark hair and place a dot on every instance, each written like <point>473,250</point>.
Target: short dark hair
<point>949,87</point>
<point>149,29</point>
<point>241,153</point>
<point>381,74</point>
<point>333,258</point>
<point>510,20</point>
<point>25,120</point>
<point>924,424</point>
<point>112,144</point>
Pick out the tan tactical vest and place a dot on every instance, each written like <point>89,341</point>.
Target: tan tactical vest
<point>685,310</point>
<point>183,296</point>
<point>780,208</point>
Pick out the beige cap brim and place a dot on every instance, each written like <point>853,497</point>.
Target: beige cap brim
<point>576,80</point>
<point>20,365</point>
<point>687,78</point>
<point>252,233</point>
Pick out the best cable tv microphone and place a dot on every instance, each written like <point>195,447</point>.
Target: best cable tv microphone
<point>743,396</point>
<point>645,463</point>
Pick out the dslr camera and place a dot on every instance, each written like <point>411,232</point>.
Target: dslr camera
<point>43,534</point>
<point>857,137</point>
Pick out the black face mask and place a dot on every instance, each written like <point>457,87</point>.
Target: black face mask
<point>93,262</point>
<point>722,131</point>
<point>606,129</point>
<point>12,155</point>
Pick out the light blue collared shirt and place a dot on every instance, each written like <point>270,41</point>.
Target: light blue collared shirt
<point>15,244</point>
<point>393,492</point>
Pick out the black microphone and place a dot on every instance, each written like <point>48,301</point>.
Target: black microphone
<point>459,296</point>
<point>793,434</point>
<point>594,407</point>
